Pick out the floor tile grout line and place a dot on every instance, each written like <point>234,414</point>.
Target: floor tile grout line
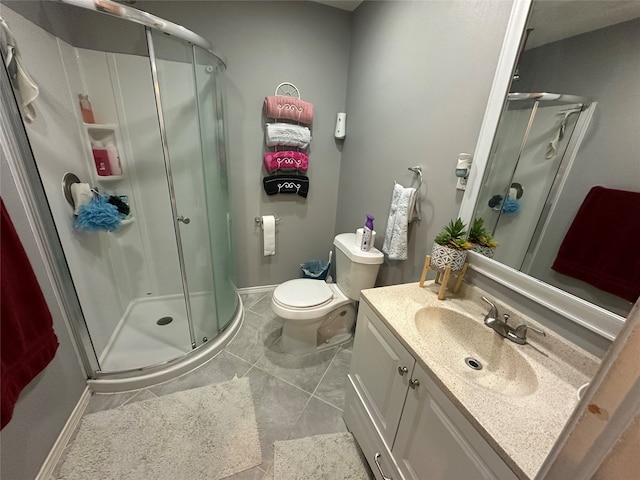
<point>325,372</point>
<point>280,379</point>
<point>327,402</point>
<point>299,417</point>
<point>239,358</point>
<point>319,381</point>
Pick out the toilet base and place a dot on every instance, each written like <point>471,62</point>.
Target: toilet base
<point>310,336</point>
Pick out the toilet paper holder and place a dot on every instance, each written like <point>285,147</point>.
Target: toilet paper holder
<point>258,220</point>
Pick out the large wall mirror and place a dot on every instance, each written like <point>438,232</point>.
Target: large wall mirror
<point>570,122</point>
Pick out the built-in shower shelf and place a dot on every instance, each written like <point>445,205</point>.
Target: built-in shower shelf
<point>109,178</point>
<point>105,127</point>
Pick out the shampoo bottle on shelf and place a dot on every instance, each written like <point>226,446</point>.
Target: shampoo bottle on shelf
<point>101,159</point>
<point>367,234</point>
<point>85,109</point>
<point>114,159</point>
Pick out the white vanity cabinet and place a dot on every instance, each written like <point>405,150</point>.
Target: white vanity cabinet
<point>405,425</point>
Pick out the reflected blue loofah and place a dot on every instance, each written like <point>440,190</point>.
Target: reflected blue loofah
<point>98,215</point>
<point>511,206</point>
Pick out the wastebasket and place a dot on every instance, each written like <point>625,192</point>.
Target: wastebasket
<point>316,269</point>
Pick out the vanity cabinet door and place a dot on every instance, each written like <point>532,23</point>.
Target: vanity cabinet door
<point>435,442</point>
<point>380,372</point>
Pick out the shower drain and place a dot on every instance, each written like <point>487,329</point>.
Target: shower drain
<point>473,363</point>
<point>164,320</point>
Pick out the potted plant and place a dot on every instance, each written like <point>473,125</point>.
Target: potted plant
<point>450,247</point>
<point>482,241</point>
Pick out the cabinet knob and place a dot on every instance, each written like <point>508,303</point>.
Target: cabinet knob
<point>403,370</point>
<point>414,383</point>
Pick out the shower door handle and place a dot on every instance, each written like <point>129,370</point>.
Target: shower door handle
<point>183,219</point>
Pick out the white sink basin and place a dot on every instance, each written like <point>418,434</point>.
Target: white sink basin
<point>453,336</point>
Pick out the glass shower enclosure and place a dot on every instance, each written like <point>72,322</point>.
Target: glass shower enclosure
<point>526,165</point>
<point>157,295</point>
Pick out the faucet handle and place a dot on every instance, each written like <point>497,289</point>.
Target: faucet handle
<point>521,331</point>
<point>491,304</point>
<point>536,330</point>
<point>506,317</point>
<point>493,313</point>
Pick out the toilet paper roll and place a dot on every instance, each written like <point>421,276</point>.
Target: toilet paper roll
<point>269,234</point>
<point>360,232</point>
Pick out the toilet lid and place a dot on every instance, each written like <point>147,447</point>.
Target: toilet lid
<point>303,292</point>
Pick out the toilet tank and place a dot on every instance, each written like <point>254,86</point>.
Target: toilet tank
<point>355,269</point>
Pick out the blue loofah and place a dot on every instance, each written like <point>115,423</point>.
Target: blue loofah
<point>98,215</point>
<point>511,206</point>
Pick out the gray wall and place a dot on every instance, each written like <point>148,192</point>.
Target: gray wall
<point>267,43</point>
<point>45,404</point>
<point>419,79</point>
<point>603,65</point>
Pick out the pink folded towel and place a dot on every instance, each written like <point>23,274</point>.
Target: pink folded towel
<point>286,161</point>
<point>289,108</point>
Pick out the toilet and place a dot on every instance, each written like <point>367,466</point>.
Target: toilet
<point>319,315</point>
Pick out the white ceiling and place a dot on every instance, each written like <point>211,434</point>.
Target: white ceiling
<point>555,20</point>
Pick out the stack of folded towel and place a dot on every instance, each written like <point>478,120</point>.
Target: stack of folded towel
<point>296,136</point>
<point>288,108</point>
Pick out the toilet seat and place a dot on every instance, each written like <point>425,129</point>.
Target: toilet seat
<point>303,293</point>
<point>308,313</point>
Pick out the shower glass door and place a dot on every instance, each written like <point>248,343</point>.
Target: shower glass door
<point>210,97</point>
<point>526,156</point>
<point>178,107</point>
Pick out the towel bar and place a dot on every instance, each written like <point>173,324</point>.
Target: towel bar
<point>258,220</point>
<point>418,171</point>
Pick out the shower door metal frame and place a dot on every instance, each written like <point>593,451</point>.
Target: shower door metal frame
<point>577,136</point>
<point>15,146</point>
<point>172,193</point>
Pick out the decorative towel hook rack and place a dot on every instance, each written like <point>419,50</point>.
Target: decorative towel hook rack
<point>287,89</point>
<point>258,220</point>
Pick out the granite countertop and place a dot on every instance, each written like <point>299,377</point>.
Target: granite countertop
<point>521,418</point>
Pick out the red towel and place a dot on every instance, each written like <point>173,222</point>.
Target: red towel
<point>28,342</point>
<point>600,247</point>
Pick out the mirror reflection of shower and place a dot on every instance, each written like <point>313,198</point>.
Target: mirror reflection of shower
<point>530,156</point>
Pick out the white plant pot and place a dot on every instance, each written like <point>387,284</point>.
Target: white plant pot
<point>482,250</point>
<point>442,256</point>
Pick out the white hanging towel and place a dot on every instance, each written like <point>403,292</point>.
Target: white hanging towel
<point>26,89</point>
<point>395,240</point>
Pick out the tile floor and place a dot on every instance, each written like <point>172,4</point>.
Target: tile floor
<point>294,396</point>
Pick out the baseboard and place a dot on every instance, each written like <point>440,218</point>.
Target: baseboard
<point>46,471</point>
<point>260,289</point>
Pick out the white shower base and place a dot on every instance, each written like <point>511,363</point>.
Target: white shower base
<point>139,341</point>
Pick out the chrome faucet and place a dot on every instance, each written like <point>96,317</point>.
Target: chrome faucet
<point>501,327</point>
